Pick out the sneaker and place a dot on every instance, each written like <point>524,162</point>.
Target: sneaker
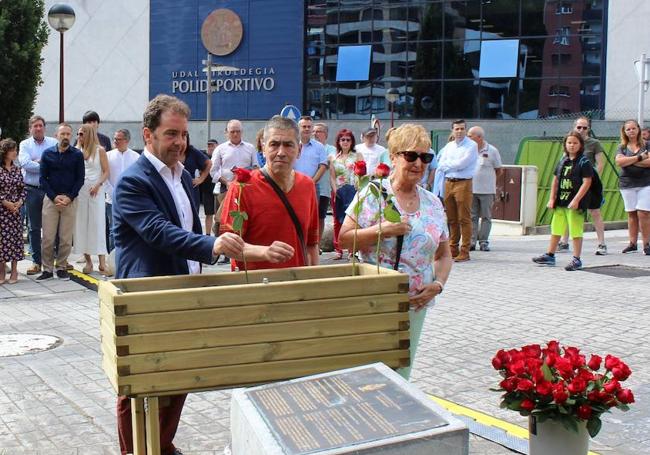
<point>544,259</point>
<point>34,269</point>
<point>562,247</point>
<point>601,250</point>
<point>646,249</point>
<point>62,275</point>
<point>484,247</point>
<point>575,264</point>
<point>45,276</point>
<point>631,248</point>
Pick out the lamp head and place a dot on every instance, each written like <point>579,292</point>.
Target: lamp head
<point>61,17</point>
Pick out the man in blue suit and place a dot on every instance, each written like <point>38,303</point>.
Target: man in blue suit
<point>157,231</point>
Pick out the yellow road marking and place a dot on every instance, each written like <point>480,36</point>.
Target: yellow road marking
<point>83,276</point>
<point>485,419</point>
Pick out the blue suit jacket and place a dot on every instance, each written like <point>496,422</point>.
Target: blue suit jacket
<point>149,238</point>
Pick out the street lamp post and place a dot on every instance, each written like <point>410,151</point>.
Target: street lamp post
<point>61,18</point>
<point>392,95</point>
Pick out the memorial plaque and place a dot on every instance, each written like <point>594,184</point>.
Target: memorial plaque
<point>315,414</point>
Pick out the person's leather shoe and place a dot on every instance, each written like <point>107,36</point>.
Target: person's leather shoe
<point>454,251</point>
<point>462,257</point>
<point>34,269</point>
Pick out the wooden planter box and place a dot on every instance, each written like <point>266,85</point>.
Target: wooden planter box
<point>166,335</point>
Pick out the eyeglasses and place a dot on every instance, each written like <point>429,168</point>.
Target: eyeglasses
<point>345,139</point>
<point>412,156</point>
<point>582,127</point>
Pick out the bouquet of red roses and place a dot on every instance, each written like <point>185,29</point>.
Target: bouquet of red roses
<point>558,383</point>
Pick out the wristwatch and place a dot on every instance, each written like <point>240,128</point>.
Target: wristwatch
<point>442,287</point>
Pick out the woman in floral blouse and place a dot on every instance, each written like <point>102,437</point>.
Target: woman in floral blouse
<point>342,179</point>
<point>12,197</point>
<point>425,255</point>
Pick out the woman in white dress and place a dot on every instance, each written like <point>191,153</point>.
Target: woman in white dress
<point>90,225</point>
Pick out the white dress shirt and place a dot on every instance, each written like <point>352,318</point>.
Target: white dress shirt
<point>118,162</point>
<point>172,178</point>
<point>228,155</point>
<point>458,159</point>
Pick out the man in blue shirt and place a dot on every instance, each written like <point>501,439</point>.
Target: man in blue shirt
<point>29,156</point>
<point>313,162</point>
<point>457,161</point>
<point>61,178</point>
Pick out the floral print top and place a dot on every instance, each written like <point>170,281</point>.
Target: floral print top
<point>429,229</point>
<point>344,169</point>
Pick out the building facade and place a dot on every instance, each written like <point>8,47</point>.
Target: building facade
<point>571,56</point>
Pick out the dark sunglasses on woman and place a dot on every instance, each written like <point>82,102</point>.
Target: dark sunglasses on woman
<point>426,158</point>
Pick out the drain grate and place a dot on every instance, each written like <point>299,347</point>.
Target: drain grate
<point>619,271</point>
<point>26,343</point>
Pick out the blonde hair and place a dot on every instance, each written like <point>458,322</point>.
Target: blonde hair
<point>625,140</point>
<point>408,137</point>
<point>90,140</point>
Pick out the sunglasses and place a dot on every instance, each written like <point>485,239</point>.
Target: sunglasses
<point>80,134</point>
<point>582,127</point>
<point>345,139</point>
<point>412,156</point>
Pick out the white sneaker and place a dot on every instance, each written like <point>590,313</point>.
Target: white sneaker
<point>601,250</point>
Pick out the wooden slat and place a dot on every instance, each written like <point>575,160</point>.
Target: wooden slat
<point>137,422</point>
<point>165,283</point>
<point>153,426</point>
<point>257,314</point>
<point>108,293</point>
<point>327,288</point>
<point>108,365</point>
<point>234,376</point>
<point>106,313</point>
<point>262,352</point>
<point>259,333</point>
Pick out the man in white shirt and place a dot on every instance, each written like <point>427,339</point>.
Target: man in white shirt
<point>484,188</point>
<point>29,157</point>
<point>158,231</point>
<point>457,161</point>
<point>119,159</point>
<point>372,153</point>
<point>324,185</point>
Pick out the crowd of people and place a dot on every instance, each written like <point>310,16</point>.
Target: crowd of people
<point>67,197</point>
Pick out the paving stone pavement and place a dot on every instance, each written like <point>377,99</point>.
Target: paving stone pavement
<point>59,401</point>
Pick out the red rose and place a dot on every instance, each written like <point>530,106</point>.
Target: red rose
<point>621,371</point>
<point>527,405</point>
<point>509,384</point>
<point>611,361</point>
<point>496,363</point>
<point>382,170</point>
<point>518,367</point>
<point>564,367</point>
<point>577,386</point>
<point>242,175</point>
<point>584,411</point>
<point>360,168</point>
<point>586,375</point>
<point>559,394</point>
<point>532,350</point>
<point>594,362</point>
<point>525,385</point>
<point>550,359</point>
<point>625,396</point>
<point>612,386</point>
<point>544,388</point>
<point>553,346</point>
<point>594,395</point>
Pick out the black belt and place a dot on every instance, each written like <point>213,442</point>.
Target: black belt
<point>456,180</point>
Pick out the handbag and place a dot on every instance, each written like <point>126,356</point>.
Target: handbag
<point>290,210</point>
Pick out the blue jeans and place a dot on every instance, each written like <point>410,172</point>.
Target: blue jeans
<point>110,241</point>
<point>34,207</point>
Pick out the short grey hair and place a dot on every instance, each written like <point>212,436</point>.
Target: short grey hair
<point>232,122</point>
<point>322,125</point>
<point>125,132</point>
<point>478,130</point>
<point>281,123</point>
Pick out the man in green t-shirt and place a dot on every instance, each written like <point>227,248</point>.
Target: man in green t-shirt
<point>595,153</point>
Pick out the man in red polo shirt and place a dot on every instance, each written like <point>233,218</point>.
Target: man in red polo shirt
<point>271,236</point>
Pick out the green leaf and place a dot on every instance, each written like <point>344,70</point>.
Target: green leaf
<point>237,223</point>
<point>593,426</point>
<point>548,374</point>
<point>375,191</point>
<point>392,215</point>
<point>233,213</point>
<point>244,215</point>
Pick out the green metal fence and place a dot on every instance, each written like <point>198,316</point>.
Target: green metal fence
<point>545,153</point>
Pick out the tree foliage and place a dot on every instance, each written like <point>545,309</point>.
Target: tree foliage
<point>23,33</point>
